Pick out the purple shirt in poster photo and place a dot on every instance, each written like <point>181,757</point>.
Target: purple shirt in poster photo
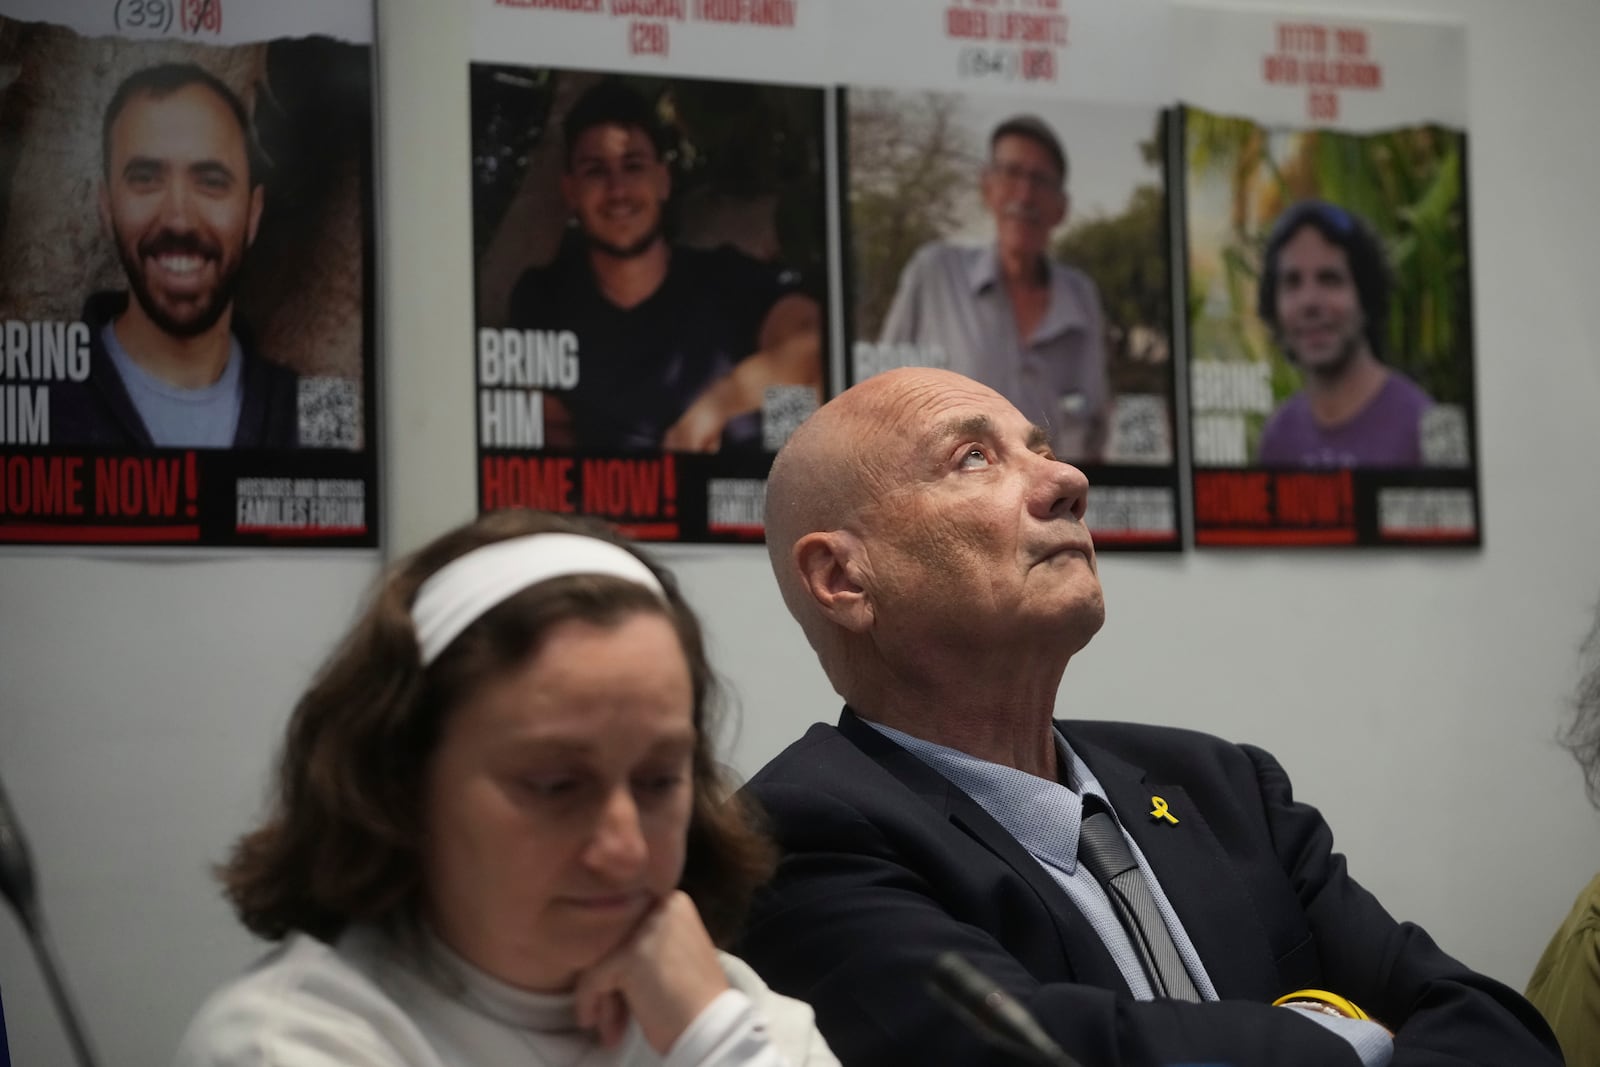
<point>1385,433</point>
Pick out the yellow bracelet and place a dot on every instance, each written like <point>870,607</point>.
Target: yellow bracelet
<point>1320,996</point>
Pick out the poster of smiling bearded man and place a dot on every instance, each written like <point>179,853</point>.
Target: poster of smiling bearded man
<point>185,273</point>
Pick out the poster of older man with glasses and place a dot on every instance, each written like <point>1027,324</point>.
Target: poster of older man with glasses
<point>1021,241</point>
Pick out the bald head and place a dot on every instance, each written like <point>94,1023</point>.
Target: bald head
<point>932,548</point>
<point>833,465</point>
<point>814,485</point>
<point>816,480</point>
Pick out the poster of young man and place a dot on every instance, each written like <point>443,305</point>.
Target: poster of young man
<point>186,353</point>
<point>1330,380</point>
<point>1007,218</point>
<point>651,275</point>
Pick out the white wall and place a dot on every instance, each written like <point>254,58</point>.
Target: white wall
<point>1413,697</point>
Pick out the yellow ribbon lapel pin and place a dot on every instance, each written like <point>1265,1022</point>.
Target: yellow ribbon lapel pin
<point>1160,811</point>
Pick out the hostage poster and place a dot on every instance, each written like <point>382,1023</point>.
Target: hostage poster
<point>1006,217</point>
<point>186,344</point>
<point>652,312</point>
<point>1328,283</point>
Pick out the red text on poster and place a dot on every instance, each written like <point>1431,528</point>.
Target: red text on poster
<point>649,22</point>
<point>1327,60</point>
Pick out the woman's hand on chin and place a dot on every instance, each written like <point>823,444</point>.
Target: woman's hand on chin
<point>663,976</point>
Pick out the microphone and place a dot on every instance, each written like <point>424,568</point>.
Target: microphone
<point>16,867</point>
<point>992,1013</point>
<point>17,886</point>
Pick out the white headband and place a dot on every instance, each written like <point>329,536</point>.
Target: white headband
<point>462,590</point>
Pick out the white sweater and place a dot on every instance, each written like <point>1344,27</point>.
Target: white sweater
<point>366,1002</point>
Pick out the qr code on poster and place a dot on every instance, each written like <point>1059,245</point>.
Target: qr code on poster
<point>1443,433</point>
<point>330,413</point>
<point>783,408</point>
<point>1139,430</point>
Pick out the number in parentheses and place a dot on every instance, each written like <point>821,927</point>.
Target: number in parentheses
<point>144,15</point>
<point>978,62</point>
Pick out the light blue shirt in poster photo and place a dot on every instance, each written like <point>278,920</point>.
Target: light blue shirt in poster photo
<point>207,417</point>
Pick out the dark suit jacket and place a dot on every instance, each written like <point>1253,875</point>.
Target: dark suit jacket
<point>886,865</point>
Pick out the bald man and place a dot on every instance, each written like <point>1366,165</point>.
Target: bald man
<point>933,550</point>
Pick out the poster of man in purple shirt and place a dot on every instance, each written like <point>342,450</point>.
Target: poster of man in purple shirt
<point>1330,343</point>
<point>1320,181</point>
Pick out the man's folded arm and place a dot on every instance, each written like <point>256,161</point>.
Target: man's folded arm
<point>1442,1013</point>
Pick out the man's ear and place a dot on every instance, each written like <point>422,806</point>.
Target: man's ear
<point>831,568</point>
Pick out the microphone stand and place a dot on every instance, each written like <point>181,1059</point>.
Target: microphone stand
<point>17,885</point>
<point>992,1013</point>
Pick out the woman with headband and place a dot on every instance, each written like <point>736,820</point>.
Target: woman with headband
<point>498,834</point>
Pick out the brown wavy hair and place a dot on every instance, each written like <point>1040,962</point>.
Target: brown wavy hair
<point>341,842</point>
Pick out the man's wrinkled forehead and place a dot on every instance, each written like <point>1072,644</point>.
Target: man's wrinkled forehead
<point>977,427</point>
<point>895,454</point>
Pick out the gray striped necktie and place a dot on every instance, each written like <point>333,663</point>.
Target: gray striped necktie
<point>1102,849</point>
